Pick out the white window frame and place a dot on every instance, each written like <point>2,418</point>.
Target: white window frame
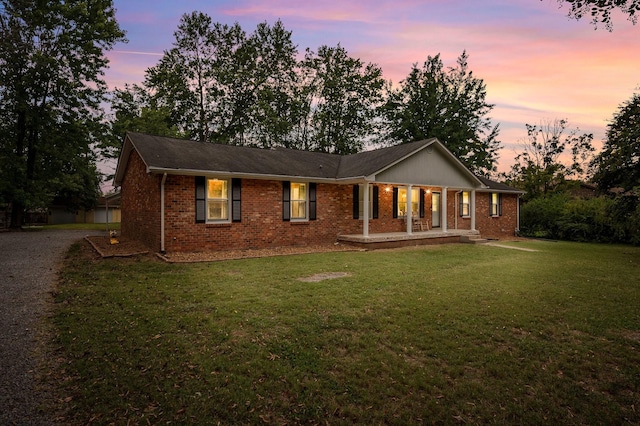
<point>296,202</point>
<point>415,201</point>
<point>226,200</point>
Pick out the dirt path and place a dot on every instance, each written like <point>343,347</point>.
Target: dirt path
<point>28,262</point>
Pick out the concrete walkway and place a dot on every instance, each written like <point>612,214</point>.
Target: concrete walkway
<point>511,247</point>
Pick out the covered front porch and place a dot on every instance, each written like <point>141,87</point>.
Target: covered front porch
<point>404,239</point>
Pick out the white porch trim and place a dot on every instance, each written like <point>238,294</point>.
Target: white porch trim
<point>473,210</point>
<point>409,212</point>
<point>443,219</point>
<point>365,210</point>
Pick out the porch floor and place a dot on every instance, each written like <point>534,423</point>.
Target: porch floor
<point>403,239</point>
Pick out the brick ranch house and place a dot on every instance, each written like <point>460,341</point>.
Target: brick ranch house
<point>181,195</point>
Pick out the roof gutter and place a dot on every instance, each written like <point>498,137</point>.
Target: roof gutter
<point>258,176</point>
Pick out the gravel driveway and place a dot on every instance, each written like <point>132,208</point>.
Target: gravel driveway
<point>28,262</point>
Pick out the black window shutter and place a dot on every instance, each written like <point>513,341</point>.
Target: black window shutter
<point>499,204</point>
<point>236,204</point>
<point>461,203</point>
<point>421,202</point>
<point>286,200</point>
<point>395,203</point>
<point>375,202</point>
<point>312,201</point>
<point>490,204</point>
<point>356,201</point>
<point>201,199</point>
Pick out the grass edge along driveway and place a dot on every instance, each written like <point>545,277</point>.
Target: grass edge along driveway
<point>443,334</point>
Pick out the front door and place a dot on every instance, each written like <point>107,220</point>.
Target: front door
<point>435,210</point>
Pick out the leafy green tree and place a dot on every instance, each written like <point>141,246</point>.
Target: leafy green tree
<point>134,109</point>
<point>541,167</point>
<point>618,165</point>
<point>217,79</point>
<point>600,10</point>
<point>341,96</point>
<point>558,215</point>
<point>625,215</point>
<point>51,66</point>
<point>449,104</point>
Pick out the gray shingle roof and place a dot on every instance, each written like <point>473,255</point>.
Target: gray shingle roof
<point>177,154</point>
<point>497,186</point>
<point>161,153</point>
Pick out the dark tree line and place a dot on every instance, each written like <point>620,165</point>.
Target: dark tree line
<point>51,88</point>
<point>221,84</point>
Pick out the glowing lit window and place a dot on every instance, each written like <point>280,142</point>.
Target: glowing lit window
<point>299,200</point>
<point>465,210</point>
<point>402,202</point>
<point>217,200</point>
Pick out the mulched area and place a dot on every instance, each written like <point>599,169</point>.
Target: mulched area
<point>124,248</point>
<point>129,248</point>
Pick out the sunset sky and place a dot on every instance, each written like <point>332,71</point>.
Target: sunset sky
<point>536,62</point>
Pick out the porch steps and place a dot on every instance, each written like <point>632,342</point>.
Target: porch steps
<point>473,239</point>
<point>403,239</point>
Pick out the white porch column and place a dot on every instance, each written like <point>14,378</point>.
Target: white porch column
<point>472,207</point>
<point>443,220</point>
<point>365,210</point>
<point>409,216</point>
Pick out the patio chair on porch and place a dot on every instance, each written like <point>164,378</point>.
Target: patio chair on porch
<point>419,224</point>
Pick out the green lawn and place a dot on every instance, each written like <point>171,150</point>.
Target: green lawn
<point>446,334</point>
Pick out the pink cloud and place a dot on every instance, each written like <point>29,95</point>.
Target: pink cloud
<point>537,63</point>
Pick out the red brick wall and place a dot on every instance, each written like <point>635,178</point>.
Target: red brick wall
<point>499,226</point>
<point>454,220</point>
<point>262,225</point>
<point>489,227</point>
<point>140,204</point>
